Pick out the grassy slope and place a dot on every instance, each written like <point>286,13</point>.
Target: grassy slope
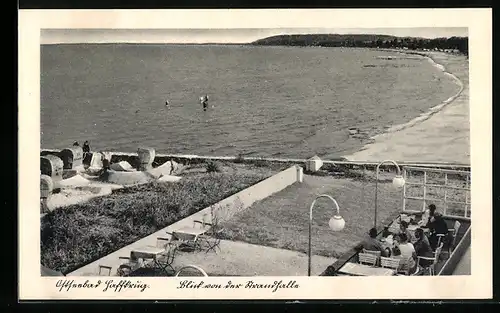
<point>79,234</point>
<point>282,220</point>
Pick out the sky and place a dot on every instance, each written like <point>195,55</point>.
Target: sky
<point>57,36</point>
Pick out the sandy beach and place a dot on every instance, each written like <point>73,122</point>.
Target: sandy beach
<point>443,137</point>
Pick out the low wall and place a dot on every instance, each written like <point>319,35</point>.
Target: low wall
<point>227,208</point>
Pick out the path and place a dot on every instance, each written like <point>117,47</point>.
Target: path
<point>243,259</point>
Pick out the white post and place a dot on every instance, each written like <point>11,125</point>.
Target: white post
<point>300,174</point>
<point>404,190</point>
<point>445,188</point>
<point>425,183</point>
<point>466,194</point>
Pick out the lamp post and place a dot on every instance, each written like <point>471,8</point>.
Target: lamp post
<point>398,182</point>
<point>336,223</point>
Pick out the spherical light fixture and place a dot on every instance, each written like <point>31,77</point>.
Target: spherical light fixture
<point>398,181</point>
<point>336,223</point>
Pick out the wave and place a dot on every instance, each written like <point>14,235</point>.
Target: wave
<point>425,116</point>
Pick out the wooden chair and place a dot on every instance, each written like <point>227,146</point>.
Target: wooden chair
<point>432,266</point>
<point>390,263</point>
<point>377,253</point>
<point>454,233</point>
<point>449,239</point>
<point>104,268</point>
<point>368,259</point>
<point>404,268</point>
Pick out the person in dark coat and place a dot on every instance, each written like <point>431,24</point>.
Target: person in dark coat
<point>423,247</point>
<point>86,147</point>
<point>371,243</point>
<point>437,226</point>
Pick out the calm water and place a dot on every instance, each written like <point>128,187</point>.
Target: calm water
<point>268,101</point>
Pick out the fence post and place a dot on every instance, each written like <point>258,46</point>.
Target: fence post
<point>425,183</point>
<point>404,190</point>
<point>466,194</point>
<point>445,184</point>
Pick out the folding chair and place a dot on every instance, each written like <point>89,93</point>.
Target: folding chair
<point>167,257</point>
<point>368,259</point>
<point>390,263</point>
<point>377,253</point>
<point>105,268</point>
<point>212,238</point>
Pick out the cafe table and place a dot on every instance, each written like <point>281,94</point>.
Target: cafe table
<point>412,227</point>
<point>355,269</point>
<point>189,235</point>
<point>148,253</point>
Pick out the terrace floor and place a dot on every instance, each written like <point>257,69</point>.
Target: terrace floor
<point>243,259</point>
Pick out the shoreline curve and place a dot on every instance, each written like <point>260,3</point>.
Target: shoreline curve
<point>433,110</point>
<point>423,137</point>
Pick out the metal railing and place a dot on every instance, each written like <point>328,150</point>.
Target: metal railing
<point>448,189</point>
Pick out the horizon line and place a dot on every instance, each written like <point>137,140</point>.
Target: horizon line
<point>138,41</point>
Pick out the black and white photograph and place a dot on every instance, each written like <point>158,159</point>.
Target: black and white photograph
<point>290,152</point>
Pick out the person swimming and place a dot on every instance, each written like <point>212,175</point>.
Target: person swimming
<point>204,102</point>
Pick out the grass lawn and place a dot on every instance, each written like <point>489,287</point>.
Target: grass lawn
<point>78,234</point>
<point>282,220</point>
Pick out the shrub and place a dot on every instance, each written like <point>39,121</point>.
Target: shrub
<point>212,167</point>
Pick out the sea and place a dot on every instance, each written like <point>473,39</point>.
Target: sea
<point>286,102</point>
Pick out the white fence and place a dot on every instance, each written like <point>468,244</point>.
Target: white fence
<point>449,190</point>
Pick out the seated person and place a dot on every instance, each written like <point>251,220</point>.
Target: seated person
<point>371,243</point>
<point>437,226</point>
<point>423,247</point>
<point>428,216</point>
<point>396,254</point>
<point>403,227</point>
<point>407,251</point>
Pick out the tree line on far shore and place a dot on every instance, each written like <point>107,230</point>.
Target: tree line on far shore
<point>454,44</point>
